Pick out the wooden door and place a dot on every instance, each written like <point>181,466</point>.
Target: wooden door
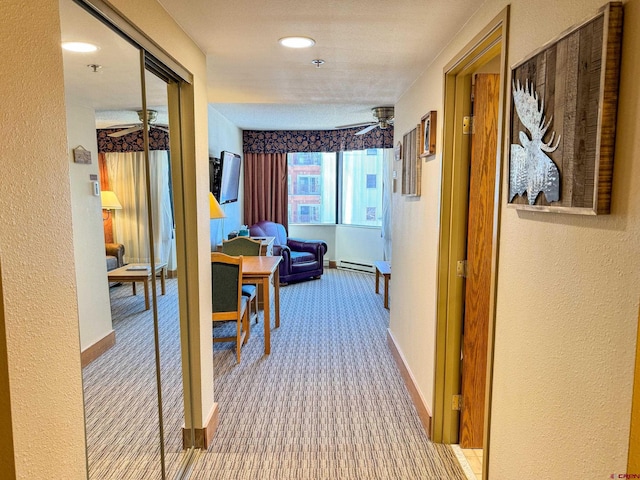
<point>479,251</point>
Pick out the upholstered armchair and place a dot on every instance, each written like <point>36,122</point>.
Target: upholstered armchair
<point>301,259</point>
<point>115,255</point>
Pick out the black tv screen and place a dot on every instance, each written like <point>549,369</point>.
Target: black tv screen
<point>229,177</point>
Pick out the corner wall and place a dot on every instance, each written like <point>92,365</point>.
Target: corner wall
<point>568,285</point>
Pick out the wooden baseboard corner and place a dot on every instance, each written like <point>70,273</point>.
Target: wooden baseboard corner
<point>333,264</point>
<point>412,387</point>
<point>92,352</point>
<point>204,435</point>
<point>172,273</point>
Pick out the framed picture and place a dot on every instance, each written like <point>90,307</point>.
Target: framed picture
<point>428,136</point>
<point>411,168</point>
<point>564,100</point>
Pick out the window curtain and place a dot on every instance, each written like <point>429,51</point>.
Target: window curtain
<point>386,202</point>
<point>265,188</point>
<point>126,173</point>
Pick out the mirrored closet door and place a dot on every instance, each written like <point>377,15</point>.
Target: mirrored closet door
<point>125,249</point>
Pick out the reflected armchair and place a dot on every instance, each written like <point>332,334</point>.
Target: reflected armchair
<point>301,259</point>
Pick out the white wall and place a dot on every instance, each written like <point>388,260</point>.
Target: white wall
<point>326,233</point>
<point>568,285</point>
<point>224,135</point>
<point>94,308</point>
<point>344,242</point>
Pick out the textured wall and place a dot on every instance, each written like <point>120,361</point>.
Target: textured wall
<point>567,286</point>
<point>36,246</point>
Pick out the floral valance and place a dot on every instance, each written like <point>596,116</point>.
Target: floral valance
<point>132,142</point>
<point>287,141</point>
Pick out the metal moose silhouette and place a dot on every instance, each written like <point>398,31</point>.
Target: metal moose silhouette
<point>531,170</point>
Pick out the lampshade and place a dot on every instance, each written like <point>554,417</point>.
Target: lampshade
<point>109,200</point>
<point>215,211</point>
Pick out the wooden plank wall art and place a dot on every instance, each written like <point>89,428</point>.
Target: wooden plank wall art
<point>563,119</point>
<point>411,168</point>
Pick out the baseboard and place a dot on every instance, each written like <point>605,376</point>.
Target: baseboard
<point>172,273</point>
<point>333,264</point>
<point>412,387</point>
<point>92,352</point>
<point>204,435</point>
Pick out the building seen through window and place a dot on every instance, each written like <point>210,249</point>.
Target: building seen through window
<point>319,182</point>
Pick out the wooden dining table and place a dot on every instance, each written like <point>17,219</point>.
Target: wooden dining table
<point>262,270</point>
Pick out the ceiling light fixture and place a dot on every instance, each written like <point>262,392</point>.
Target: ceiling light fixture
<point>297,42</point>
<point>317,62</point>
<point>79,47</point>
<point>95,67</point>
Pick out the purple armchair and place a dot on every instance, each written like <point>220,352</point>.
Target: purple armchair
<point>301,259</point>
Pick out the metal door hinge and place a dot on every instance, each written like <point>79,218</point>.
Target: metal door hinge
<point>468,127</point>
<point>456,402</point>
<point>461,268</point>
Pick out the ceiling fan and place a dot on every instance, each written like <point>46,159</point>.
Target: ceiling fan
<point>384,118</point>
<point>152,115</point>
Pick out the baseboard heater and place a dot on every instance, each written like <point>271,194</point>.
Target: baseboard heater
<point>356,266</point>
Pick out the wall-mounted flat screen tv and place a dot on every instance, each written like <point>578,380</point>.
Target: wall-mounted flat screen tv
<point>229,177</point>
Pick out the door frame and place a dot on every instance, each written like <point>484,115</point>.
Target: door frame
<point>489,43</point>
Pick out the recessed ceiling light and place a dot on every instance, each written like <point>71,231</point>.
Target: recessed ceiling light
<point>79,47</point>
<point>297,42</point>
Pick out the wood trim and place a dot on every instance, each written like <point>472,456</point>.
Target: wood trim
<point>172,273</point>
<point>333,264</point>
<point>204,435</point>
<point>94,351</point>
<point>410,382</point>
<point>633,459</point>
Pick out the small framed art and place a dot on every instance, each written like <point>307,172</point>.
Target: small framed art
<point>428,137</point>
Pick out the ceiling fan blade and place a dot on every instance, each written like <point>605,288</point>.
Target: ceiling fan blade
<point>125,132</point>
<point>354,125</point>
<point>368,129</point>
<point>123,125</point>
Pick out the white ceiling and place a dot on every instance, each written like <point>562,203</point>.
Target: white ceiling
<point>373,49</point>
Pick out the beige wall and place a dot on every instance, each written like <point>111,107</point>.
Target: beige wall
<point>36,246</point>
<point>94,308</point>
<point>567,285</point>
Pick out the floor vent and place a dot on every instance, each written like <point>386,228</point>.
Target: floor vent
<point>356,266</point>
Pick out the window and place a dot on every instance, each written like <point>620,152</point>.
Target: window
<point>308,185</point>
<point>318,182</point>
<point>312,187</point>
<point>361,199</point>
<point>308,213</point>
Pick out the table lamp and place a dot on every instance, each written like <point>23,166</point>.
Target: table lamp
<point>109,202</point>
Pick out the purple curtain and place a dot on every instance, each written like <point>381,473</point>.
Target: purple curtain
<point>265,188</point>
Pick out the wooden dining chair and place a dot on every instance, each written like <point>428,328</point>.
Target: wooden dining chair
<point>228,303</point>
<point>245,246</point>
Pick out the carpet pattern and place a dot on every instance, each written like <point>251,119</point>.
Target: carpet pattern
<point>328,403</point>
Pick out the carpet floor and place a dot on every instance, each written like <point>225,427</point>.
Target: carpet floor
<point>327,403</point>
